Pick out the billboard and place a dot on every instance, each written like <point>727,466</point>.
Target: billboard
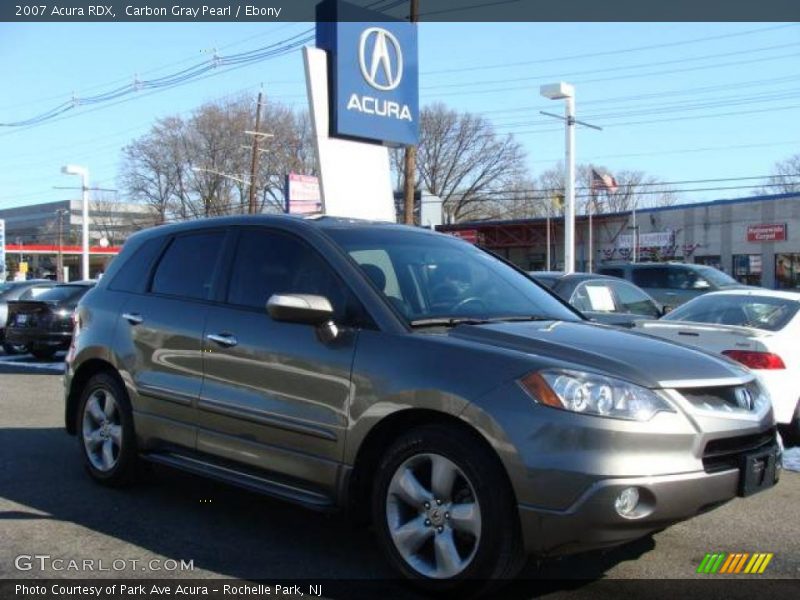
<point>656,239</point>
<point>2,250</point>
<point>373,73</point>
<point>302,195</point>
<point>774,232</point>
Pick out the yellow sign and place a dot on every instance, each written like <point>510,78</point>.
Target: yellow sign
<point>23,267</point>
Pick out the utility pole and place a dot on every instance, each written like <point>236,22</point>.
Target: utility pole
<point>410,162</point>
<point>254,157</point>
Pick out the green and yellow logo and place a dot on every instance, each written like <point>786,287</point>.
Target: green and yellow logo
<point>734,563</point>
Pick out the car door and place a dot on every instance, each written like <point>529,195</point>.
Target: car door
<point>655,281</point>
<point>161,337</point>
<point>275,396</point>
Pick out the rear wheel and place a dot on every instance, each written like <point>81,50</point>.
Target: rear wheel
<point>14,348</point>
<point>43,352</point>
<point>106,433</point>
<point>444,513</point>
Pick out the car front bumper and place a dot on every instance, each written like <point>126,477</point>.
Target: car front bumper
<point>593,522</point>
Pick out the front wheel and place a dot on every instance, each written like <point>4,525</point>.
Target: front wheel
<point>444,513</point>
<point>105,431</point>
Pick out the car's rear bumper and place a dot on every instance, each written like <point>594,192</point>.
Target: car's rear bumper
<point>38,337</point>
<point>593,522</point>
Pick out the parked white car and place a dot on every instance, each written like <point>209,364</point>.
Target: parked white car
<point>759,328</point>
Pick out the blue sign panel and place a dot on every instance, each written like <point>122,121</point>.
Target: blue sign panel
<point>373,74</point>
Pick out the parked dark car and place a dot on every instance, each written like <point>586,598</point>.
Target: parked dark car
<point>44,325</point>
<point>672,283</point>
<point>412,378</point>
<point>602,298</point>
<point>18,290</point>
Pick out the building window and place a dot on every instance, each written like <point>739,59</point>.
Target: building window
<point>787,271</point>
<point>747,268</point>
<point>710,261</point>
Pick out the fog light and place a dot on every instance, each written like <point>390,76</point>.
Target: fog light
<point>627,501</point>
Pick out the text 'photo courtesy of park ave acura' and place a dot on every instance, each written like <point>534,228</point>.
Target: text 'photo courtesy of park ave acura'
<point>399,299</point>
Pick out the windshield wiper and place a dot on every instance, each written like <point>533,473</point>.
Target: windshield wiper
<point>447,321</point>
<point>453,321</point>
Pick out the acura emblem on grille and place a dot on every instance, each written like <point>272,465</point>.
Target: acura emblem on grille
<point>744,399</point>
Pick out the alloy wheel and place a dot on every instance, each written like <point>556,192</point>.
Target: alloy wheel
<point>102,430</point>
<point>433,516</point>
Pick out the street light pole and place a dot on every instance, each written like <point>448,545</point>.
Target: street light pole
<point>84,174</point>
<point>566,92</point>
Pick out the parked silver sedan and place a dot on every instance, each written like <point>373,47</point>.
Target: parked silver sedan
<point>426,385</point>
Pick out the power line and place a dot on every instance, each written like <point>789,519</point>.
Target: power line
<point>613,69</point>
<point>216,63</point>
<point>607,52</point>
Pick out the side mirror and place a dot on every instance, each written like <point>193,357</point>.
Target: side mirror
<point>300,308</point>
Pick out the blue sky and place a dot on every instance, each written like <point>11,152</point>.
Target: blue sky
<point>680,101</point>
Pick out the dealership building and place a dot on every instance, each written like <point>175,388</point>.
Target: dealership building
<point>754,239</point>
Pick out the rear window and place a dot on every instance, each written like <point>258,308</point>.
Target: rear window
<point>760,312</point>
<point>650,277</point>
<point>613,272</point>
<point>63,293</point>
<point>187,267</point>
<point>132,276</point>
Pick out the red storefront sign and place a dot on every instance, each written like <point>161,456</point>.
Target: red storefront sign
<point>775,232</point>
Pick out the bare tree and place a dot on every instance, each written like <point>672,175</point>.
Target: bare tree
<point>785,177</point>
<point>200,166</point>
<point>462,160</point>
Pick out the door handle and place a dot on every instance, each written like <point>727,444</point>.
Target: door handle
<point>223,339</point>
<point>133,318</point>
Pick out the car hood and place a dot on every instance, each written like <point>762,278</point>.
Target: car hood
<point>641,359</point>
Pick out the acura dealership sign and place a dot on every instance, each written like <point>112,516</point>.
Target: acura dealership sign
<point>373,74</point>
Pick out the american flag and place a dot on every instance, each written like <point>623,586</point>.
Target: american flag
<point>604,182</point>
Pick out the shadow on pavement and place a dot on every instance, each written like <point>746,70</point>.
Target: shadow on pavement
<point>222,529</point>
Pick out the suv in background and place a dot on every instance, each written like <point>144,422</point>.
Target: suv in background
<point>410,377</point>
<point>672,284</point>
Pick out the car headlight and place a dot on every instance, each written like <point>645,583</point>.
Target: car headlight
<point>591,394</point>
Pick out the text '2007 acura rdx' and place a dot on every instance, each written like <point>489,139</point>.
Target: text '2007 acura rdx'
<point>412,377</point>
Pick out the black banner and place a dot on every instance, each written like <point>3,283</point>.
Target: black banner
<point>429,10</point>
<point>722,587</point>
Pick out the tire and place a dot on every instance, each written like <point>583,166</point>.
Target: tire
<point>420,542</point>
<point>12,349</point>
<point>106,434</point>
<point>43,353</point>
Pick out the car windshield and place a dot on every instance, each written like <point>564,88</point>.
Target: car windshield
<point>717,277</point>
<point>760,312</point>
<point>62,293</point>
<point>430,277</point>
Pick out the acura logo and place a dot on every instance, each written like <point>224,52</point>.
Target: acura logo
<point>744,399</point>
<point>383,70</point>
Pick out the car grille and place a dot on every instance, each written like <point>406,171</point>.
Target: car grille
<point>732,399</point>
<point>726,453</point>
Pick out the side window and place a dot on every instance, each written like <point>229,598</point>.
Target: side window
<point>187,267</point>
<point>651,277</point>
<point>270,262</point>
<point>633,300</point>
<point>132,276</point>
<point>681,279</point>
<point>593,296</point>
<point>372,261</point>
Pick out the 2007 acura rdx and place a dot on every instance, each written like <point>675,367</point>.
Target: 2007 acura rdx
<point>412,376</point>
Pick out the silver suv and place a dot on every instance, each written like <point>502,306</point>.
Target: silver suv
<point>408,376</point>
<point>672,284</point>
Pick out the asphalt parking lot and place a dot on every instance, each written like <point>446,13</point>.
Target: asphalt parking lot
<point>49,506</point>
